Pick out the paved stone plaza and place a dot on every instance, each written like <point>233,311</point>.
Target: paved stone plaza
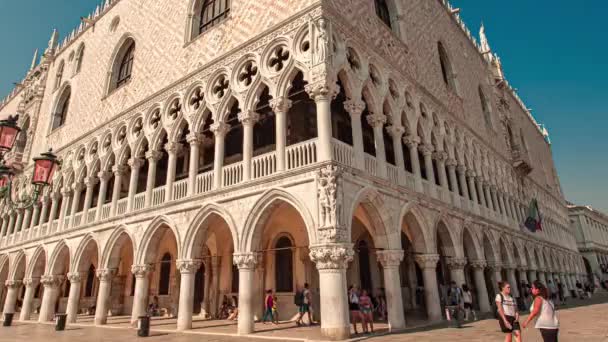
<point>583,323</point>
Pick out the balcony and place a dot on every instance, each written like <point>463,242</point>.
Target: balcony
<point>520,160</point>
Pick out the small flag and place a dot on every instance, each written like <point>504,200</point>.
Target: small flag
<point>534,220</point>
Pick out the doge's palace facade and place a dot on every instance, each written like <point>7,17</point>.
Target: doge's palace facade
<point>219,148</point>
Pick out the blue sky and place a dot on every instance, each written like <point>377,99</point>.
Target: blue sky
<point>554,52</point>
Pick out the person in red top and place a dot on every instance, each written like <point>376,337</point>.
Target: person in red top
<point>268,303</point>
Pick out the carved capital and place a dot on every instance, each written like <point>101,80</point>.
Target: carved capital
<point>376,120</point>
<point>248,117</point>
<point>427,260</point>
<point>354,107</point>
<point>104,175</point>
<point>322,90</point>
<point>31,282</point>
<point>426,149</point>
<point>332,256</point>
<point>51,280</point>
<point>119,170</point>
<point>451,163</point>
<point>78,186</point>
<point>456,263</point>
<point>188,266</point>
<point>13,284</point>
<point>247,261</point>
<point>478,264</point>
<point>173,147</point>
<point>194,139</point>
<point>135,163</point>
<point>461,169</point>
<point>74,277</point>
<point>470,173</point>
<point>412,141</point>
<point>495,266</point>
<point>280,104</point>
<point>153,156</point>
<point>105,275</point>
<point>219,129</point>
<point>142,271</point>
<point>440,156</point>
<point>90,182</point>
<point>395,131</point>
<point>390,258</point>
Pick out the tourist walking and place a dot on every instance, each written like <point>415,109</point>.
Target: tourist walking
<point>508,314</point>
<point>268,302</point>
<point>382,309</point>
<point>353,307</point>
<point>544,312</point>
<point>467,299</point>
<point>306,300</point>
<point>367,312</point>
<point>275,311</point>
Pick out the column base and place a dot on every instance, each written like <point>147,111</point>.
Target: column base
<point>336,334</point>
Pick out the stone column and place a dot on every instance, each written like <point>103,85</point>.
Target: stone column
<point>496,267</point>
<point>27,218</point>
<point>482,195</point>
<point>390,260</point>
<point>532,275</point>
<point>12,287</point>
<point>355,108</point>
<point>65,207</point>
<point>248,119</point>
<point>206,291</point>
<point>119,171</point>
<point>412,144</point>
<point>195,141</point>
<point>219,129</point>
<point>153,157</point>
<point>135,164</point>
<point>246,263</point>
<point>377,122</point>
<point>505,201</point>
<point>172,149</point>
<point>456,266</point>
<point>489,200</point>
<point>501,203</point>
<point>104,177</point>
<point>396,133</point>
<point>496,205</point>
<point>74,297</point>
<point>428,264</point>
<point>462,178</point>
<point>11,223</point>
<point>427,152</point>
<point>332,261</point>
<point>54,208</point>
<point>140,297</point>
<point>523,276</point>
<point>4,226</point>
<point>322,93</point>
<point>19,221</point>
<point>103,295</point>
<point>51,285</point>
<point>542,278</point>
<point>215,283</point>
<point>451,164</point>
<point>566,286</point>
<point>440,158</point>
<point>480,285</point>
<point>187,269</point>
<point>90,183</point>
<point>281,106</point>
<point>28,298</point>
<point>471,183</point>
<point>77,190</point>
<point>512,280</point>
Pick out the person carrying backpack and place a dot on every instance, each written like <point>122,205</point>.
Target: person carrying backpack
<point>507,312</point>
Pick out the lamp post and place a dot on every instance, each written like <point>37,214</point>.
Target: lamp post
<point>44,168</point>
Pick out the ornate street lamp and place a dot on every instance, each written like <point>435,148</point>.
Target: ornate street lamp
<point>44,167</point>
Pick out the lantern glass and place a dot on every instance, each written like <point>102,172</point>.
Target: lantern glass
<point>43,171</point>
<point>8,135</point>
<point>3,181</point>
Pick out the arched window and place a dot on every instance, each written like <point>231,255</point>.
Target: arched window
<point>165,275</point>
<point>59,74</point>
<point>284,265</point>
<point>79,58</point>
<point>123,65</point>
<point>61,109</point>
<point>212,13</point>
<point>383,12</point>
<point>88,290</point>
<point>21,142</point>
<point>446,68</point>
<point>485,107</point>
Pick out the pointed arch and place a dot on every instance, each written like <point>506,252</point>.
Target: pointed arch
<point>445,241</point>
<point>56,265</point>
<point>17,270</point>
<point>37,263</point>
<point>374,208</point>
<point>121,63</point>
<point>148,243</point>
<point>259,213</point>
<point>471,247</point>
<point>87,244</point>
<point>61,107</point>
<point>111,250</point>
<point>194,230</point>
<point>415,226</point>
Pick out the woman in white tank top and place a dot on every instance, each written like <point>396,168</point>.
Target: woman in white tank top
<point>544,312</point>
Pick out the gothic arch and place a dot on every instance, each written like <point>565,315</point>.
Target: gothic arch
<point>443,236</point>
<point>120,49</point>
<point>37,262</point>
<point>262,208</point>
<point>470,244</point>
<point>373,205</point>
<point>55,265</point>
<point>17,270</point>
<point>87,244</point>
<point>417,230</point>
<point>148,242</point>
<point>112,247</point>
<point>197,228</point>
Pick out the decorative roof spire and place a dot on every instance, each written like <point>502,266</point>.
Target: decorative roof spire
<point>53,41</point>
<point>34,60</point>
<point>485,46</point>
